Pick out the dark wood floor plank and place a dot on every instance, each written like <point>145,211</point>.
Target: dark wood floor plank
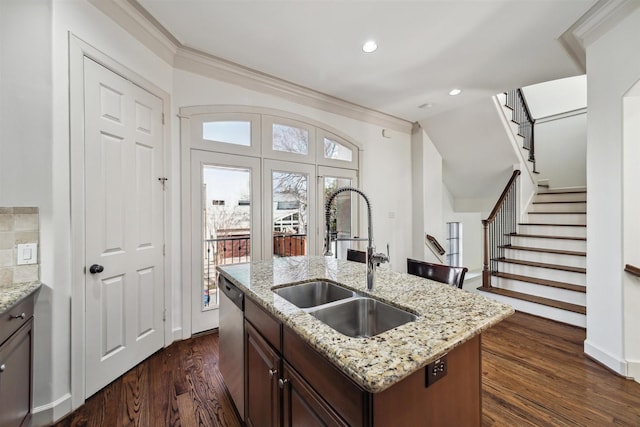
<point>534,373</point>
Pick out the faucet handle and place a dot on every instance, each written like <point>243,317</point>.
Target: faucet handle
<point>379,258</point>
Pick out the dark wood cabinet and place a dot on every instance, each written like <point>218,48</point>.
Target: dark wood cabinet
<point>263,365</point>
<point>302,405</point>
<point>288,383</point>
<point>16,348</point>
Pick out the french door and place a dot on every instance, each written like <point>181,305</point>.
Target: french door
<point>344,210</point>
<point>225,224</point>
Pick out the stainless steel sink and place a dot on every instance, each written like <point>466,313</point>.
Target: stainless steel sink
<point>362,317</point>
<point>312,294</point>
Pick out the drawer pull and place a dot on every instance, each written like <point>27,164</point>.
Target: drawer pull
<point>283,382</point>
<point>272,372</point>
<point>2,367</point>
<point>18,316</point>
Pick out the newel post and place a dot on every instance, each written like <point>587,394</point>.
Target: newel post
<point>486,273</point>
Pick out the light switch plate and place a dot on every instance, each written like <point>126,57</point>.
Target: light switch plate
<point>27,253</point>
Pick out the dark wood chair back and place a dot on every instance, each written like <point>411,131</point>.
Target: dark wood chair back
<point>357,256</point>
<point>440,273</point>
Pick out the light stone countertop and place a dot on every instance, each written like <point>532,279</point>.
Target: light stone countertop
<point>13,294</point>
<point>447,316</point>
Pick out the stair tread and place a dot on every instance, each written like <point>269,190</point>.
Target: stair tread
<point>536,299</point>
<point>556,213</point>
<point>542,265</point>
<point>552,225</point>
<point>551,251</point>
<point>543,282</point>
<point>558,201</point>
<point>562,192</point>
<point>542,236</point>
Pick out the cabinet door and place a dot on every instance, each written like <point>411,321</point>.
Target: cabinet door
<point>302,406</point>
<point>15,378</point>
<point>262,373</point>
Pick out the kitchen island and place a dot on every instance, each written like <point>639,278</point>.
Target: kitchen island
<point>385,371</point>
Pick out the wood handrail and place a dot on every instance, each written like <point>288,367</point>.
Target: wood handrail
<point>503,196</point>
<point>632,269</point>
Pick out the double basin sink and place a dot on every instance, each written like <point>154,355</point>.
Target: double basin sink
<point>346,311</point>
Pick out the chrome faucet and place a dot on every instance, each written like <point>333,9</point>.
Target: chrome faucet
<point>373,259</point>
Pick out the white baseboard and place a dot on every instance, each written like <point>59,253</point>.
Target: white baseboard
<point>177,334</point>
<point>45,415</point>
<point>633,369</point>
<point>618,366</point>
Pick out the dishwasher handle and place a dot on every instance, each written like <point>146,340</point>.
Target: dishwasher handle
<point>232,292</point>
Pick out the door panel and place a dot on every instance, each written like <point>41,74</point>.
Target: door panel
<point>124,218</point>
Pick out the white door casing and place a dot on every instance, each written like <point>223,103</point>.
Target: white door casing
<point>124,221</point>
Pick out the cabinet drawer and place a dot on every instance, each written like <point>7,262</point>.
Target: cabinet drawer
<point>15,317</point>
<point>267,325</point>
<point>340,392</point>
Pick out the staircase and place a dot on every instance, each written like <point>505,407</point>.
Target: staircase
<point>543,269</point>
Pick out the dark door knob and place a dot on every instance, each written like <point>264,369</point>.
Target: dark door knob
<point>95,268</point>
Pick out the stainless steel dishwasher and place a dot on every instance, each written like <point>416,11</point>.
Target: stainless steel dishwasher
<point>231,341</point>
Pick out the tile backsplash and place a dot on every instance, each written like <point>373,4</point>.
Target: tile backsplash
<point>18,225</point>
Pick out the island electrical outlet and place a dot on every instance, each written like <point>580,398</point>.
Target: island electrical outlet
<point>436,370</point>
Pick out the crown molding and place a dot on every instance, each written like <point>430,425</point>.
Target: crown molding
<point>131,16</point>
<point>598,20</point>
<point>195,61</point>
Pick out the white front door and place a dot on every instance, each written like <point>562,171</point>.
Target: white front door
<point>225,225</point>
<point>124,217</point>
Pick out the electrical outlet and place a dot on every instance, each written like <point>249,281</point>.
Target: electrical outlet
<point>436,370</point>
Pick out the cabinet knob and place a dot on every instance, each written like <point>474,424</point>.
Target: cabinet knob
<point>282,382</point>
<point>272,372</point>
<point>2,367</point>
<point>18,316</point>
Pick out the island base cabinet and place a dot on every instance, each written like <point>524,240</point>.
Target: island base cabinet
<point>302,406</point>
<point>15,378</point>
<point>262,371</point>
<point>454,400</point>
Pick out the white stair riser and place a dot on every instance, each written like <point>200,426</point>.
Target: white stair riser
<point>570,218</point>
<point>547,258</point>
<point>559,244</point>
<point>544,273</point>
<point>553,230</point>
<point>558,294</point>
<point>560,197</point>
<point>552,313</point>
<point>558,207</point>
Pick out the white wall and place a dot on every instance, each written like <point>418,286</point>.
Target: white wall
<point>426,169</point>
<point>561,151</point>
<point>556,96</point>
<point>613,65</point>
<point>472,236</point>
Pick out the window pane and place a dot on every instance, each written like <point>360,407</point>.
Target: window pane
<point>231,132</point>
<point>335,150</point>
<point>290,139</point>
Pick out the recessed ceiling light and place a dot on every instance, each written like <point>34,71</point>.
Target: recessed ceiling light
<point>454,92</point>
<point>369,46</point>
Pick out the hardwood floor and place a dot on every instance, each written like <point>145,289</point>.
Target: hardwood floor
<point>534,374</point>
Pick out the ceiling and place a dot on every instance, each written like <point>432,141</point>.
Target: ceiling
<point>426,48</point>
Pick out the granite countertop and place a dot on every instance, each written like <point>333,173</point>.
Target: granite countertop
<point>13,294</point>
<point>447,316</point>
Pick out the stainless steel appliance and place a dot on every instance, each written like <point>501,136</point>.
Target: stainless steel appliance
<point>231,341</point>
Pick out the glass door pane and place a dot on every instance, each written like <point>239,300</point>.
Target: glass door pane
<point>226,223</point>
<point>225,203</point>
<point>343,219</point>
<point>290,201</point>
